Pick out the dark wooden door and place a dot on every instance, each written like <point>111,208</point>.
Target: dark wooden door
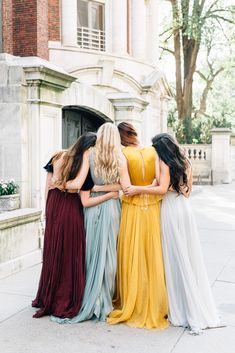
<point>76,122</point>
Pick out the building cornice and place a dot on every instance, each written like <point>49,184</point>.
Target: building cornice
<point>38,70</point>
<point>47,76</point>
<point>155,81</point>
<point>127,101</point>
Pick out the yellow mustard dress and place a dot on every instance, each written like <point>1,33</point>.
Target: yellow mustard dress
<point>141,298</point>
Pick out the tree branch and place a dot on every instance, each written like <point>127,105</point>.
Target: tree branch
<point>168,50</point>
<point>203,77</point>
<point>217,17</point>
<point>167,30</point>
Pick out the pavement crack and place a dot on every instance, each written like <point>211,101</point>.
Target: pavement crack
<point>13,315</point>
<point>177,341</point>
<point>219,280</point>
<point>14,293</point>
<point>221,271</point>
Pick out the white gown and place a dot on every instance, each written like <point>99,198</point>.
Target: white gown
<point>189,294</point>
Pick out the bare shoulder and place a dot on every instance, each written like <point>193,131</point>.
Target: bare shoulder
<point>189,168</point>
<point>163,166</point>
<point>123,162</point>
<point>123,159</point>
<point>58,159</point>
<point>87,153</point>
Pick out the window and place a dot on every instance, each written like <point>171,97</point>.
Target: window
<point>91,31</point>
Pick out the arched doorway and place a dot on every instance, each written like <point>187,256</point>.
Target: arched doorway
<point>76,121</point>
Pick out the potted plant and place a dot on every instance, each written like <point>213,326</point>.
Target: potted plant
<point>9,196</point>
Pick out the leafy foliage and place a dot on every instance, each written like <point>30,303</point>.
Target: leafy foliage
<point>200,36</point>
<point>8,187</point>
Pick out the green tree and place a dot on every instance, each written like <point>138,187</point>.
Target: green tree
<point>190,27</point>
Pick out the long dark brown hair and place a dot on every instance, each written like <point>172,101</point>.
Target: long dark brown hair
<point>169,152</point>
<point>128,134</point>
<point>72,159</point>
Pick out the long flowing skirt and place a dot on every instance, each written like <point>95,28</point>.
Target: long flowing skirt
<point>62,281</point>
<point>141,299</point>
<point>102,226</point>
<point>189,293</point>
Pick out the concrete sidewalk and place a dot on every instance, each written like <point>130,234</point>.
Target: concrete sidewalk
<point>215,214</point>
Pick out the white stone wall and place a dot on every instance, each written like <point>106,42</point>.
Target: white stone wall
<point>213,164</point>
<point>132,75</point>
<point>19,240</point>
<point>220,158</point>
<point>14,140</point>
<point>124,76</point>
<point>115,84</point>
<point>232,155</point>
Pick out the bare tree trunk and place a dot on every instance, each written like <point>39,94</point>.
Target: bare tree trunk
<point>185,51</point>
<point>177,54</point>
<point>209,82</point>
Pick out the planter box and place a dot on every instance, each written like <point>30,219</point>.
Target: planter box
<point>9,202</point>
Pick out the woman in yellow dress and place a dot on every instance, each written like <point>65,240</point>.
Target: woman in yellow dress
<point>141,298</point>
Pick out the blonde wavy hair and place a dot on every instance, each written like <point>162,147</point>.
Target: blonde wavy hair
<point>107,161</point>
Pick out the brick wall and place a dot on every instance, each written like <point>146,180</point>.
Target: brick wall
<point>7,34</point>
<point>25,27</point>
<point>42,29</point>
<point>54,20</point>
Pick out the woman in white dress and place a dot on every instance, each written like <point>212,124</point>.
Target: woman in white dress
<point>190,299</point>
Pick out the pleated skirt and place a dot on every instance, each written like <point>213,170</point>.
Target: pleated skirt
<point>189,294</point>
<point>62,280</point>
<point>141,298</point>
<point>102,226</point>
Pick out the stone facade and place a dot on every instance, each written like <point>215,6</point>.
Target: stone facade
<point>109,72</point>
<point>214,163</point>
<point>19,240</point>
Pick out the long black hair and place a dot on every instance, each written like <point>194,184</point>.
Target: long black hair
<point>72,159</point>
<point>169,152</point>
<point>76,151</point>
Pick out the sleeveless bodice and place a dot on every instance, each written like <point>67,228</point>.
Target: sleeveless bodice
<point>141,166</point>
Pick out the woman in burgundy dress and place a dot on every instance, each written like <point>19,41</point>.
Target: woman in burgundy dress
<point>62,279</point>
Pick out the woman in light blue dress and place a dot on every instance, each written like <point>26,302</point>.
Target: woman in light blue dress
<point>101,226</point>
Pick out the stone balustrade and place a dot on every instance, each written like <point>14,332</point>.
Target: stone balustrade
<point>213,164</point>
<point>200,157</point>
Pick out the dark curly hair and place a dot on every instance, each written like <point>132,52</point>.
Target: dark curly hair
<point>169,152</point>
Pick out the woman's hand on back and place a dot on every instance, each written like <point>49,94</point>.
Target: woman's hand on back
<point>131,190</point>
<point>115,194</point>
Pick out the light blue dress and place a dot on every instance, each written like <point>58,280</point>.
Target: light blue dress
<point>102,227</point>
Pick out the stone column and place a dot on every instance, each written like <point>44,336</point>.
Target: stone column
<point>233,156</point>
<point>152,31</point>
<point>69,22</point>
<point>138,29</point>
<point>163,113</point>
<point>45,93</point>
<point>14,142</point>
<point>119,26</point>
<point>220,157</point>
<point>128,108</point>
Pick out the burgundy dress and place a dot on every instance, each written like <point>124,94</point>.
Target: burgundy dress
<point>62,278</point>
